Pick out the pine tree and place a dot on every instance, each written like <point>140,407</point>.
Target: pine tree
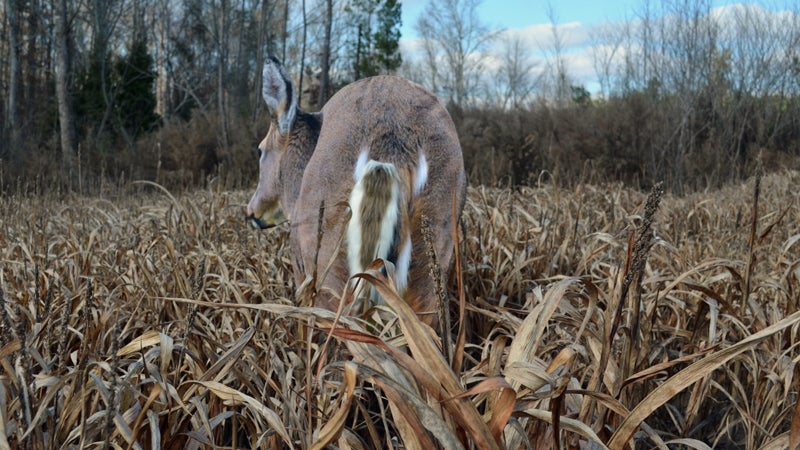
<point>90,102</point>
<point>376,24</point>
<point>136,101</point>
<point>387,36</point>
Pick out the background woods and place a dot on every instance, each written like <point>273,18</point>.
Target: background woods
<point>591,315</point>
<point>168,90</point>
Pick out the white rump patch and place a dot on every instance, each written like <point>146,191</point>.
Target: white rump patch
<point>403,264</point>
<point>421,176</point>
<point>354,230</point>
<point>361,165</point>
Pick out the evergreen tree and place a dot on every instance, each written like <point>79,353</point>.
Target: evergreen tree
<point>129,92</point>
<point>90,102</point>
<point>387,36</point>
<point>375,49</point>
<point>135,100</point>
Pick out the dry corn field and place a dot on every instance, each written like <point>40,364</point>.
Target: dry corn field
<point>597,317</point>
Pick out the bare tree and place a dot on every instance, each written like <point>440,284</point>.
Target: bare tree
<point>14,73</point>
<point>285,34</point>
<point>105,15</point>
<point>515,73</point>
<point>263,48</point>
<point>162,20</point>
<point>556,63</point>
<point>451,30</point>
<point>66,111</point>
<point>325,76</point>
<point>431,75</point>
<point>221,36</point>
<point>607,48</point>
<point>303,45</point>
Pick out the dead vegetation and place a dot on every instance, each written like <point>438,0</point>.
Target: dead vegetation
<point>588,320</point>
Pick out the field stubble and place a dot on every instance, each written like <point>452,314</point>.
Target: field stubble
<point>143,320</point>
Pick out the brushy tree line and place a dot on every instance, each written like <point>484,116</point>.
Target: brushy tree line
<point>168,90</point>
<point>689,94</point>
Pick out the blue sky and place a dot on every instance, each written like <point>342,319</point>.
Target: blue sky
<point>576,20</point>
<point>524,13</point>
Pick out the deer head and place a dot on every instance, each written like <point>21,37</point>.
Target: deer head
<point>283,152</point>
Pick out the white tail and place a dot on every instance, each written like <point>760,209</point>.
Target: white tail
<point>372,232</point>
<point>384,153</point>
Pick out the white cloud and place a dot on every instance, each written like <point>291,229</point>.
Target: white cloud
<point>410,46</point>
<point>575,48</point>
<point>575,42</point>
<point>582,45</point>
<point>541,36</point>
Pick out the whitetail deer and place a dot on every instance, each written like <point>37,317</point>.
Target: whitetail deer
<point>382,154</point>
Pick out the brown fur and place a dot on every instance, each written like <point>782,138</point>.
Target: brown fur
<point>395,119</point>
<point>377,197</point>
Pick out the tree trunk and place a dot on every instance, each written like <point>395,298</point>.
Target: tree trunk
<point>33,62</point>
<point>104,25</point>
<point>263,48</point>
<point>66,113</point>
<point>357,65</point>
<point>12,105</point>
<point>162,25</point>
<point>302,55</point>
<point>285,30</point>
<point>222,64</point>
<point>324,81</point>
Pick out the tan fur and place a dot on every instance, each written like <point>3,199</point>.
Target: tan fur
<point>395,120</point>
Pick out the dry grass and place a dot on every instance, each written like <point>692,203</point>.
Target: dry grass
<point>140,320</point>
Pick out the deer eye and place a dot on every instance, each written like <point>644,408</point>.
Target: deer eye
<point>260,152</point>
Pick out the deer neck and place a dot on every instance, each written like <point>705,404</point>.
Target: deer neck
<point>303,140</point>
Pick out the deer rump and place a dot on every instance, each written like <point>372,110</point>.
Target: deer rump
<point>379,221</point>
<point>388,150</point>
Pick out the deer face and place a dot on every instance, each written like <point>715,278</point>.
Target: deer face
<point>264,209</point>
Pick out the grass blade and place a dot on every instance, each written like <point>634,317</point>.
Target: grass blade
<point>687,377</point>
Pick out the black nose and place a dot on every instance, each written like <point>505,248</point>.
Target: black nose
<point>255,222</point>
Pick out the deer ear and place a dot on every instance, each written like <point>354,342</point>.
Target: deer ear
<point>278,93</point>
